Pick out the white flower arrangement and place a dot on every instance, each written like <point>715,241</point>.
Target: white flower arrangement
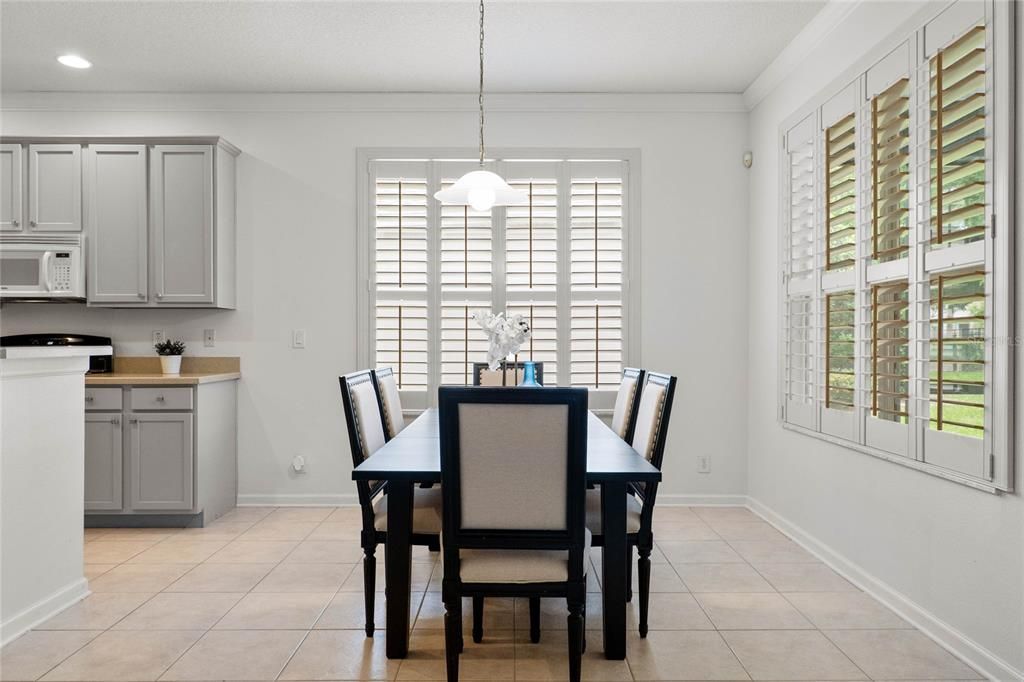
<point>506,335</point>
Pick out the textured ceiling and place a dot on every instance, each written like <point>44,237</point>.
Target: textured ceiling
<point>385,46</point>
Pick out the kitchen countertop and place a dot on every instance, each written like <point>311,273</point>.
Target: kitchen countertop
<point>16,352</point>
<point>158,379</point>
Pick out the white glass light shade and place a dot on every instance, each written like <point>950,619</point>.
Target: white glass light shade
<point>481,189</point>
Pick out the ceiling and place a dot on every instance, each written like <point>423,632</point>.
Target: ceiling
<point>395,46</point>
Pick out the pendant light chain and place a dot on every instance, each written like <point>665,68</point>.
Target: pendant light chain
<point>480,96</point>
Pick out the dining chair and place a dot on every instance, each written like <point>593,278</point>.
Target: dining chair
<point>363,415</point>
<point>514,519</point>
<point>483,375</point>
<point>627,402</point>
<point>390,402</point>
<point>648,439</point>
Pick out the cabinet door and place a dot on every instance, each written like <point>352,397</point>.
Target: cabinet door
<point>12,173</point>
<point>55,187</point>
<point>181,213</point>
<point>160,461</point>
<point>116,223</point>
<point>103,462</point>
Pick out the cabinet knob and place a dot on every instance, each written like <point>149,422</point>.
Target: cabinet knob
<point>160,399</point>
<point>31,223</point>
<point>15,223</point>
<point>115,421</point>
<point>141,295</point>
<point>159,295</point>
<point>133,421</point>
<point>88,398</point>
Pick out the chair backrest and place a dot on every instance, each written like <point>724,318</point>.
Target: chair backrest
<point>391,402</point>
<point>513,471</point>
<point>365,428</point>
<point>652,431</point>
<point>627,402</point>
<point>483,375</point>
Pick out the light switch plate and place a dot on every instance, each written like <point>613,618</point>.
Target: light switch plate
<point>298,338</point>
<point>158,336</point>
<point>209,337</point>
<point>703,464</point>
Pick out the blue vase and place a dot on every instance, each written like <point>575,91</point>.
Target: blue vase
<point>529,375</point>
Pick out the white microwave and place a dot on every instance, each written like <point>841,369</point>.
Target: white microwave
<point>41,267</point>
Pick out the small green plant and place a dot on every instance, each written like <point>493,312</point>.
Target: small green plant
<point>170,347</point>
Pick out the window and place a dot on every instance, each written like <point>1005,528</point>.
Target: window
<point>560,260</point>
<point>895,292</point>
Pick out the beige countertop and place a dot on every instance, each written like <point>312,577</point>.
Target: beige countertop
<point>145,371</point>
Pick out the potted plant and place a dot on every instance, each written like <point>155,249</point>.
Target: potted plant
<point>170,352</point>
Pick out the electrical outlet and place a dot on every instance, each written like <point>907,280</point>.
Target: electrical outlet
<point>299,464</point>
<point>158,336</point>
<point>209,337</point>
<point>703,464</point>
<point>298,338</point>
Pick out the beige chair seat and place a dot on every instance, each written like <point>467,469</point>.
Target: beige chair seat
<point>426,512</point>
<point>518,565</point>
<point>633,507</point>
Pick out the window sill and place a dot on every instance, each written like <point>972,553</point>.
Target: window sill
<point>931,469</point>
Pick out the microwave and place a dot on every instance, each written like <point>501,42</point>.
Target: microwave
<point>41,267</point>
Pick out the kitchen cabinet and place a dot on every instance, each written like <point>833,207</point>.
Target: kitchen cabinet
<point>117,262</point>
<point>12,175</point>
<point>160,460</point>
<point>103,461</point>
<point>55,187</point>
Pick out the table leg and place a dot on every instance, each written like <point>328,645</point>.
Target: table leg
<point>398,567</point>
<point>613,580</point>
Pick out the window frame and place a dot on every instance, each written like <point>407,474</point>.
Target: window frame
<point>998,468</point>
<point>602,400</point>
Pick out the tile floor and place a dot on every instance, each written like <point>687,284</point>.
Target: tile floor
<point>265,594</point>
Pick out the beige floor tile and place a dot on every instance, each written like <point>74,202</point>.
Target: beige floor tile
<point>278,530</point>
<point>742,530</point>
<point>899,654</point>
<point>845,611</point>
<point>665,512</point>
<point>351,515</point>
<point>780,655</point>
<point>751,611</point>
<point>139,577</point>
<point>492,659</point>
<point>221,530</point>
<point>35,653</point>
<point>341,655</point>
<point>275,612</point>
<point>221,578</point>
<point>104,551</point>
<point>180,611</point>
<point>773,552</point>
<point>250,514</point>
<point>499,613</point>
<point>253,552</point>
<point>690,530</point>
<point>300,514</point>
<point>699,552</point>
<point>327,552</point>
<point>305,578</point>
<point>96,570</point>
<point>174,550</point>
<point>91,534</point>
<point>713,515</point>
<point>336,531</point>
<point>95,612</point>
<point>722,578</point>
<point>347,611</point>
<point>549,658</point>
<point>124,656</point>
<point>554,614</point>
<point>682,656</point>
<point>664,578</point>
<point>154,534</point>
<point>667,612</point>
<point>237,655</point>
<point>420,576</point>
<point>816,577</point>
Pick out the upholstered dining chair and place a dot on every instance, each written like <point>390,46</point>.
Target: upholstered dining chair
<point>648,438</point>
<point>483,375</point>
<point>627,402</point>
<point>363,410</point>
<point>390,402</point>
<point>514,511</point>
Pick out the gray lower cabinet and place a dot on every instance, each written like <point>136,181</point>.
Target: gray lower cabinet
<point>160,460</point>
<point>103,461</point>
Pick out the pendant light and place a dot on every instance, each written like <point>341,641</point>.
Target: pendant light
<point>481,189</point>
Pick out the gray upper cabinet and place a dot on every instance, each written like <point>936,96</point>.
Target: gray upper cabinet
<point>12,175</point>
<point>116,223</point>
<point>55,187</point>
<point>103,461</point>
<point>160,461</point>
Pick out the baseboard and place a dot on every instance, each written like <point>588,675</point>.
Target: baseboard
<point>947,636</point>
<point>669,500</point>
<point>284,500</point>
<point>43,609</point>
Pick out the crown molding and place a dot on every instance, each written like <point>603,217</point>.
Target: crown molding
<point>372,102</point>
<point>800,48</point>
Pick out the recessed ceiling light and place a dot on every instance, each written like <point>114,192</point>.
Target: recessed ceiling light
<point>74,61</point>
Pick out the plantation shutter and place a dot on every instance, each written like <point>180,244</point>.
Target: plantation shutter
<point>840,192</point>
<point>890,159</point>
<point>595,227</point>
<point>400,271</point>
<point>888,354</point>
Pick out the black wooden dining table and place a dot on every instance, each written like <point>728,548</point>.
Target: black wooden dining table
<point>414,456</point>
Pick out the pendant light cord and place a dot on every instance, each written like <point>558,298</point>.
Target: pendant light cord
<point>480,96</point>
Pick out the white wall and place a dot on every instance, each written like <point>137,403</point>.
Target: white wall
<point>951,551</point>
<point>296,204</point>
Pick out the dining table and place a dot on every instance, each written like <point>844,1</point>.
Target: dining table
<point>413,458</point>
